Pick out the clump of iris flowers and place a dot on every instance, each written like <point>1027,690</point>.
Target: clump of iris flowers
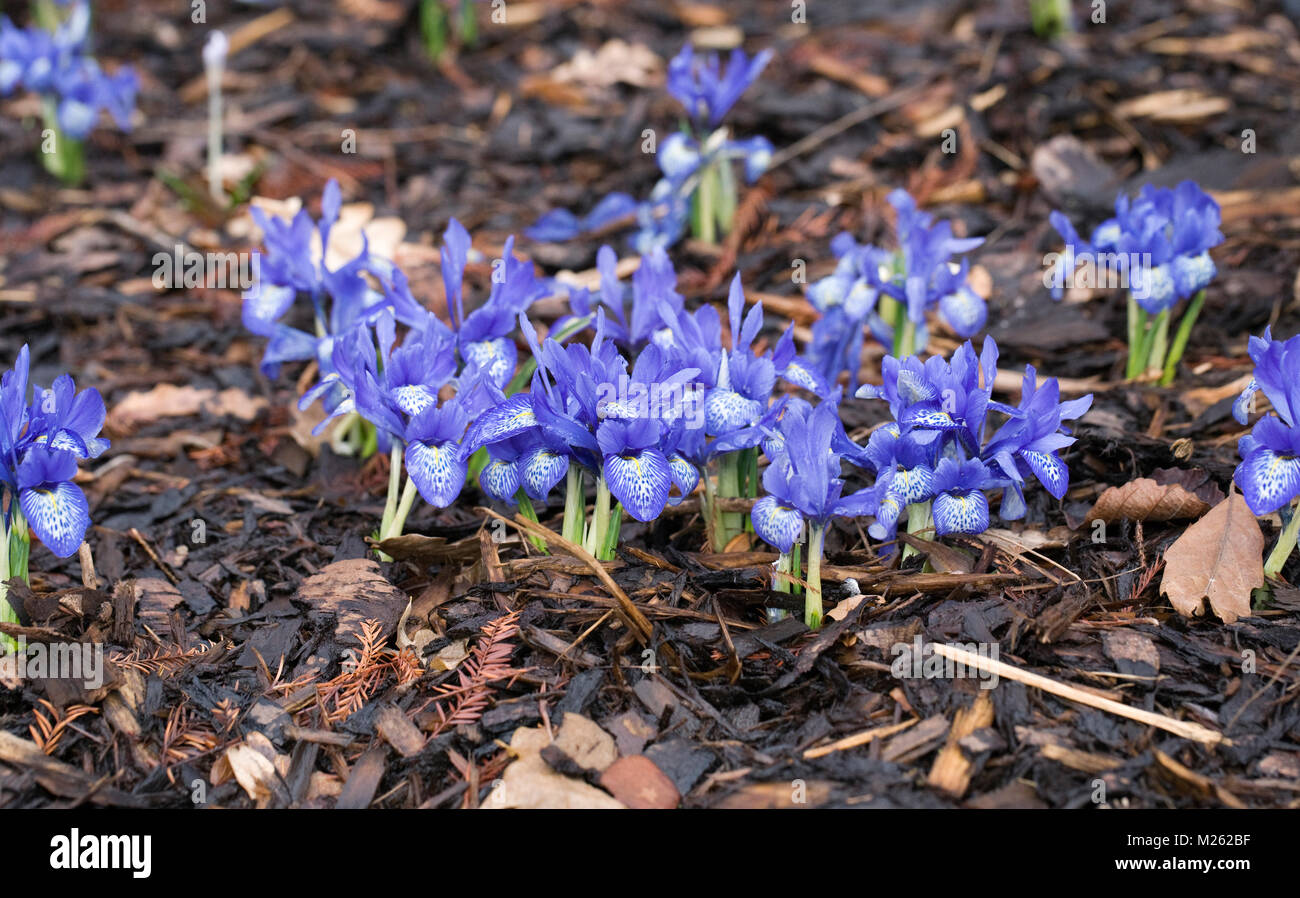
<point>591,412</point>
<point>41,443</point>
<point>889,292</point>
<point>935,460</point>
<point>1157,245</point>
<point>804,490</point>
<point>698,187</point>
<point>1269,473</point>
<point>52,58</point>
<point>357,292</point>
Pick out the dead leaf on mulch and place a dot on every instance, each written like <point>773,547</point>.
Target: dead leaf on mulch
<point>1220,557</point>
<point>170,401</point>
<point>1145,500</point>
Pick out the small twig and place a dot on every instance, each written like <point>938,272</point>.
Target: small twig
<point>1182,728</point>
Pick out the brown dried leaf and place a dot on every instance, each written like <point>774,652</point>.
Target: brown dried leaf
<point>170,401</point>
<point>1145,500</point>
<point>1220,557</point>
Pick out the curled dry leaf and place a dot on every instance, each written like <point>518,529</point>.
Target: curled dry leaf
<point>1145,500</point>
<point>1220,557</point>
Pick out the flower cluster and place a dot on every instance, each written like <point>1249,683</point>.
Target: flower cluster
<point>644,409</point>
<point>698,184</point>
<point>55,62</point>
<point>936,451</point>
<point>890,292</point>
<point>1157,245</point>
<point>412,398</point>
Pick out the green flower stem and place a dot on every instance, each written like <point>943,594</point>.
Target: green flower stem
<point>68,161</point>
<point>433,27</point>
<point>526,509</point>
<point>394,483</point>
<point>1155,360</point>
<point>1285,545</point>
<point>712,519</point>
<point>812,607</point>
<point>904,332</point>
<point>730,522</point>
<point>780,583</point>
<point>749,472</point>
<point>409,492</point>
<point>610,543</point>
<point>1137,340</point>
<point>468,23</point>
<point>726,210</point>
<point>706,207</point>
<point>1181,337</point>
<point>15,549</point>
<point>597,532</point>
<point>575,505</point>
<point>919,523</point>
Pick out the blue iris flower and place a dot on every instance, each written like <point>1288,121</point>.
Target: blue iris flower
<point>803,482</point>
<point>960,505</point>
<point>707,91</point>
<point>1030,440</point>
<point>483,337</point>
<point>920,276</point>
<point>1159,239</point>
<point>58,66</point>
<point>1269,473</point>
<point>340,298</point>
<point>40,445</point>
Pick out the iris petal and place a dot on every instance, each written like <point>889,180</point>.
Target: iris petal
<point>640,480</point>
<point>886,523</point>
<point>1268,479</point>
<point>776,524</point>
<point>540,470</point>
<point>726,410</point>
<point>914,484</point>
<point>500,480</point>
<point>58,514</point>
<point>961,512</point>
<point>1051,472</point>
<point>685,476</point>
<point>508,419</point>
<point>436,471</point>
